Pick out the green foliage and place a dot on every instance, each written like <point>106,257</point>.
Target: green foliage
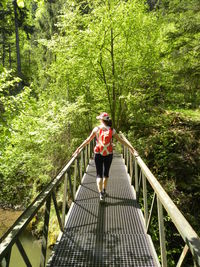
<point>9,104</point>
<point>7,82</point>
<point>20,3</point>
<point>109,52</point>
<point>82,57</point>
<point>39,143</point>
<point>170,145</point>
<point>181,52</point>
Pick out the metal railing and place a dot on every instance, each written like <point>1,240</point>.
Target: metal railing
<point>142,177</point>
<point>71,176</point>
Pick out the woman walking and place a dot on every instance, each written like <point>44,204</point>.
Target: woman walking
<point>103,151</point>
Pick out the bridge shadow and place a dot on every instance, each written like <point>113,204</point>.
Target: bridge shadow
<point>108,243</point>
<point>194,243</point>
<point>92,174</point>
<point>86,186</point>
<point>100,229</point>
<point>121,201</point>
<point>100,246</point>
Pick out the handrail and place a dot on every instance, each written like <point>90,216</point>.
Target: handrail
<point>134,165</point>
<point>11,237</point>
<point>188,234</point>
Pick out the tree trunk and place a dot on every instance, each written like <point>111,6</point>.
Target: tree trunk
<point>29,58</point>
<point>10,59</point>
<point>113,104</point>
<point>153,3</point>
<point>113,111</point>
<point>3,46</point>
<point>17,40</point>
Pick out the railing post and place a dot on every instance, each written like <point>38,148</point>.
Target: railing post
<point>123,153</point>
<point>84,161</point>
<point>81,165</point>
<point>70,185</point>
<point>64,206</point>
<point>131,166</point>
<point>133,171</point>
<point>139,183</point>
<point>162,233</point>
<point>92,147</point>
<point>45,232</point>
<point>89,152</point>
<point>136,179</point>
<point>78,169</point>
<point>75,175</point>
<point>86,156</point>
<point>127,160</point>
<point>144,185</point>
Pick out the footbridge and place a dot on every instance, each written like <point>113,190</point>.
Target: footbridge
<point>129,229</point>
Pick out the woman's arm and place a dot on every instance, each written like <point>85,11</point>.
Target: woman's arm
<point>87,141</point>
<point>122,141</point>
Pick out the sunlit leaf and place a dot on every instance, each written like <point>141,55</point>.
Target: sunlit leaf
<point>20,3</point>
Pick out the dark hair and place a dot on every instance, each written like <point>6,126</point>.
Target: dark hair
<point>108,123</point>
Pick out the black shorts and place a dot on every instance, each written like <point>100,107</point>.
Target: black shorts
<point>103,165</point>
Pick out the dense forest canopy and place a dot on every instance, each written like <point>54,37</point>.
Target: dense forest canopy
<point>63,62</point>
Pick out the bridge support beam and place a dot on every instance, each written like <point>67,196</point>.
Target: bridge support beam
<point>162,234</point>
<point>23,253</point>
<point>45,232</point>
<point>57,211</point>
<point>75,176</point>
<point>136,180</point>
<point>65,205</point>
<point>7,258</point>
<point>144,183</point>
<point>182,257</point>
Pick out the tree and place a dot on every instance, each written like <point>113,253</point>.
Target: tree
<point>5,32</point>
<point>16,28</point>
<point>109,51</point>
<point>181,52</point>
<point>17,39</point>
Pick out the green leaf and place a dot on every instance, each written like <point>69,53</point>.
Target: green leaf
<point>20,3</point>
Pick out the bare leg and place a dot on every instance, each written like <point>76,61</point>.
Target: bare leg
<point>99,184</point>
<point>105,181</point>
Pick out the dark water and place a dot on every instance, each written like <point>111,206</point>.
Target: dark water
<point>31,245</point>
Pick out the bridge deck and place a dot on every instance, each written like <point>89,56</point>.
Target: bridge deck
<point>110,234</point>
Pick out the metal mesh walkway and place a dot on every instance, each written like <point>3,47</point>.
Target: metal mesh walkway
<point>110,234</point>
